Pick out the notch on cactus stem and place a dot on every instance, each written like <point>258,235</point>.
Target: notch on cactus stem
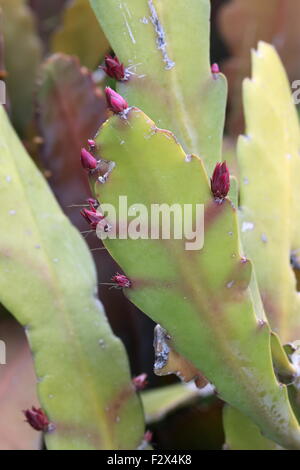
<point>115,101</point>
<point>93,203</point>
<point>114,68</point>
<point>121,280</point>
<point>140,382</point>
<point>87,160</point>
<point>38,420</point>
<point>220,181</point>
<point>215,70</point>
<point>92,145</point>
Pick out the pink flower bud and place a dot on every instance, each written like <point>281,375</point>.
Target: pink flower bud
<point>148,436</point>
<point>220,181</point>
<point>37,419</point>
<point>215,70</point>
<point>114,68</point>
<point>87,160</point>
<point>121,280</point>
<point>92,217</point>
<point>115,101</point>
<point>140,382</point>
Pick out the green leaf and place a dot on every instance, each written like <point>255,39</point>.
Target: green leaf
<point>242,434</point>
<point>81,35</point>
<point>161,401</point>
<point>201,297</point>
<point>269,166</point>
<point>48,282</point>
<point>23,53</point>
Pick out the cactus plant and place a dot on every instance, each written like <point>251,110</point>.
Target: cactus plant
<point>268,157</point>
<point>46,263</point>
<point>169,66</point>
<point>216,277</point>
<point>209,301</point>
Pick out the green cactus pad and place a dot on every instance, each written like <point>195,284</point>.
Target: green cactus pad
<point>48,282</point>
<point>202,298</point>
<point>269,165</point>
<point>165,45</point>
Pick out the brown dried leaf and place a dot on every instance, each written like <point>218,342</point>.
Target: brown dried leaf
<point>70,110</point>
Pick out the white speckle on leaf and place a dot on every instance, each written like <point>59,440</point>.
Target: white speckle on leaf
<point>230,284</point>
<point>245,180</point>
<point>8,178</point>
<point>264,238</point>
<point>144,20</point>
<point>55,260</point>
<point>12,212</point>
<point>247,226</point>
<point>188,158</point>
<point>288,156</point>
<point>129,30</point>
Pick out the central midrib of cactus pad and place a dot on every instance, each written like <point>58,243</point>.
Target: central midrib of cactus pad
<point>202,298</point>
<point>269,165</point>
<point>166,48</point>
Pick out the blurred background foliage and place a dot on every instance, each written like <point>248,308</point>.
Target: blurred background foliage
<point>50,53</point>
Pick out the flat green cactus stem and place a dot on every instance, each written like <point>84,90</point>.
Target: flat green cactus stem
<point>269,163</point>
<point>48,282</point>
<point>165,47</point>
<point>202,298</point>
<point>242,434</point>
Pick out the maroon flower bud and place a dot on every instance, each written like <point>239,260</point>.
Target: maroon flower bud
<point>121,280</point>
<point>37,419</point>
<point>92,217</point>
<point>87,160</point>
<point>114,68</point>
<point>220,181</point>
<point>115,101</point>
<point>140,382</point>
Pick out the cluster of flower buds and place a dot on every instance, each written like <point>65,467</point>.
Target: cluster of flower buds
<point>92,216</point>
<point>114,68</point>
<point>140,382</point>
<point>115,101</point>
<point>220,181</point>
<point>38,419</point>
<point>121,280</point>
